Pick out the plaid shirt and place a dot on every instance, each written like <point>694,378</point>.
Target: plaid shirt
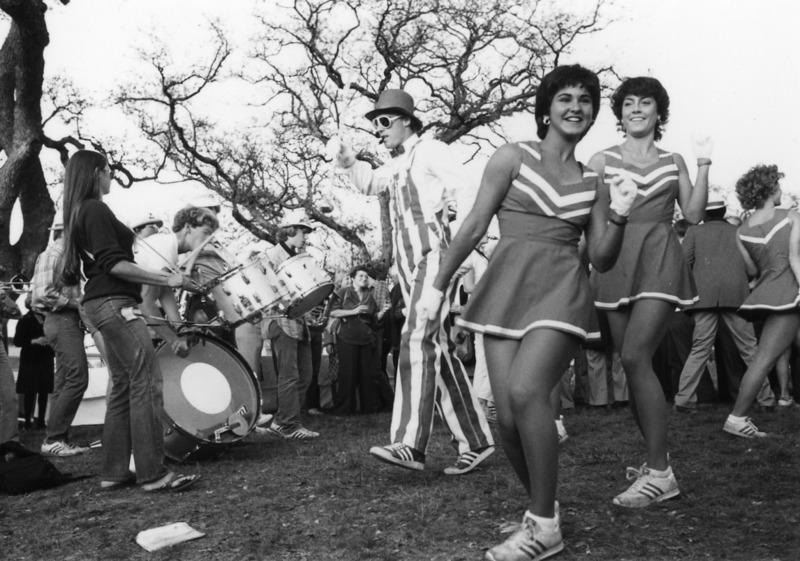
<point>294,328</point>
<point>45,297</point>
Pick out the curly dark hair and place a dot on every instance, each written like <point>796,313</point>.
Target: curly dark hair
<point>195,217</point>
<point>757,185</point>
<point>556,80</point>
<point>358,268</point>
<point>642,86</point>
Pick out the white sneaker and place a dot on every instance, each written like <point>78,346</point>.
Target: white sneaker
<point>263,423</point>
<point>562,430</point>
<point>297,433</point>
<point>786,402</point>
<point>647,488</point>
<point>745,428</point>
<point>61,449</point>
<point>528,543</point>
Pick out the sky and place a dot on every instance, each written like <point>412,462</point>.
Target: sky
<point>732,70</point>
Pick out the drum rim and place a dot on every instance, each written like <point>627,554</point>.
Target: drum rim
<point>169,421</point>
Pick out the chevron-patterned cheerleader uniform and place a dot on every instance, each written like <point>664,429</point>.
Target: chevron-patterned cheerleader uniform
<point>776,288</point>
<point>650,263</point>
<point>535,278</point>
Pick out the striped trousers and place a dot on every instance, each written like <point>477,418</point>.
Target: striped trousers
<point>430,376</point>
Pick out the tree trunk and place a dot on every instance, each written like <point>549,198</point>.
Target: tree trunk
<point>21,175</point>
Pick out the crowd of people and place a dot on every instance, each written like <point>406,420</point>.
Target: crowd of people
<point>589,275</point>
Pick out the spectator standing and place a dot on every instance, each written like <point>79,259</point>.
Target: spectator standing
<point>721,279</point>
<point>36,369</point>
<point>9,429</point>
<point>60,305</point>
<point>358,388</point>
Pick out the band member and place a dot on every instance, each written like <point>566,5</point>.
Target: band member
<point>421,179</point>
<point>100,246</point>
<point>650,277</point>
<point>534,303</point>
<point>769,242</point>
<point>190,229</point>
<point>291,347</point>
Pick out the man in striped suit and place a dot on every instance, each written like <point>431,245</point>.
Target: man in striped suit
<point>421,179</point>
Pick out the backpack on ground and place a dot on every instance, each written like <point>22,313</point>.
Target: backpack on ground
<point>23,471</point>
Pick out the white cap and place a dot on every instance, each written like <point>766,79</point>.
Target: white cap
<point>206,200</point>
<point>142,218</point>
<point>296,218</point>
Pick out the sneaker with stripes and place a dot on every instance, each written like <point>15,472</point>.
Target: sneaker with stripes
<point>468,461</point>
<point>529,543</point>
<point>647,488</point>
<point>61,449</point>
<point>297,433</point>
<point>742,426</point>
<point>400,454</point>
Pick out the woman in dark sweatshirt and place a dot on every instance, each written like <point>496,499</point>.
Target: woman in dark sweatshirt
<point>99,246</point>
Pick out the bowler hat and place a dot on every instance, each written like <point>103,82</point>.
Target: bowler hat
<point>396,102</point>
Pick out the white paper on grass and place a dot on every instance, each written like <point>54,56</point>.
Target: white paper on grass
<point>165,536</point>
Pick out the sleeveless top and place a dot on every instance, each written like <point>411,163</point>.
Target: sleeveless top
<point>535,278</point>
<point>776,288</point>
<point>651,263</point>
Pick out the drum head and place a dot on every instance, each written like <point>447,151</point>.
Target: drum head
<point>211,394</point>
<point>313,298</point>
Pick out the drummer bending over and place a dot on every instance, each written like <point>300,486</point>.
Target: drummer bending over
<point>190,229</point>
<point>291,347</point>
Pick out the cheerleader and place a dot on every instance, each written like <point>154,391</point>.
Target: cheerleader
<point>650,277</point>
<point>533,304</point>
<point>769,241</point>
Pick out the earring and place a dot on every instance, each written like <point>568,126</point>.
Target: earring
<point>546,120</point>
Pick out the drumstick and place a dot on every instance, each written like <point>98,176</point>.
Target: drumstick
<point>192,257</point>
<point>169,266</point>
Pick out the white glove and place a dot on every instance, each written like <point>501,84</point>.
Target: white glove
<point>622,190</point>
<point>340,152</point>
<point>429,303</point>
<point>702,146</point>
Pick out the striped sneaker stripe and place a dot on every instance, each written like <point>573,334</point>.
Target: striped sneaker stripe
<point>532,550</point>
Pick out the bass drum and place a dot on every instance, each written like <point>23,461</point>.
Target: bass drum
<point>211,399</point>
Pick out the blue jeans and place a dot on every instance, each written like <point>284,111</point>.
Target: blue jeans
<point>135,405</point>
<point>64,333</point>
<point>292,359</point>
<point>8,400</point>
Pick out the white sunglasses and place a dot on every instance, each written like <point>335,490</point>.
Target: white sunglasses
<point>383,122</point>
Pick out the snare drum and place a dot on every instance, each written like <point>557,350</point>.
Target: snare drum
<point>306,283</point>
<point>244,292</point>
<point>211,399</point>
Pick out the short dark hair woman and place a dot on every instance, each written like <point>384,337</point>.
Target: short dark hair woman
<point>650,277</point>
<point>360,381</point>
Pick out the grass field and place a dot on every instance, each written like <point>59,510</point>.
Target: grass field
<point>268,499</point>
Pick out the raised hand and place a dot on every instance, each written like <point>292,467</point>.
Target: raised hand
<point>622,190</point>
<point>702,146</point>
<point>340,152</point>
<point>429,303</point>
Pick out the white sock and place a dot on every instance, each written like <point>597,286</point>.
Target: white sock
<point>661,473</point>
<point>734,419</point>
<point>546,524</point>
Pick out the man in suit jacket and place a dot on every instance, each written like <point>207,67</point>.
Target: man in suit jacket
<point>721,279</point>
